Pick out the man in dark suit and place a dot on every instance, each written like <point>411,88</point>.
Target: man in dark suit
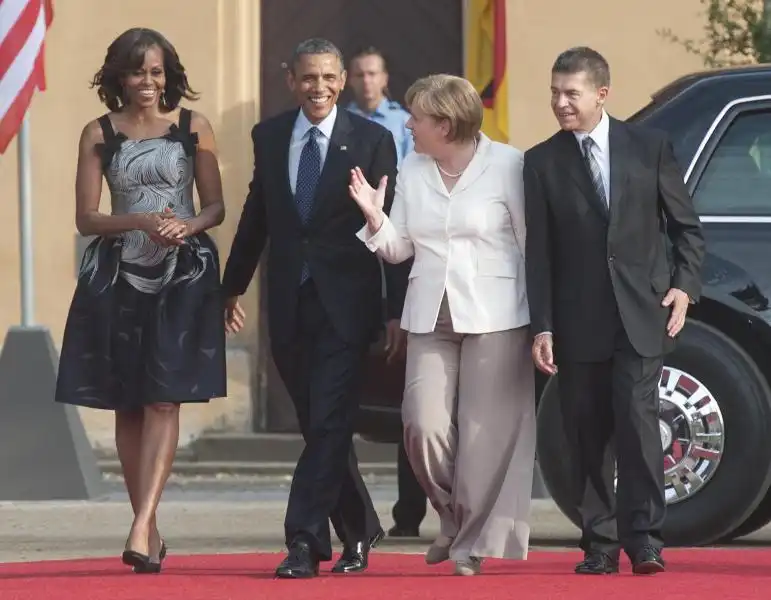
<point>606,302</point>
<point>324,296</point>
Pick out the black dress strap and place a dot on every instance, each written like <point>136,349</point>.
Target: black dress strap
<point>112,141</point>
<point>108,133</point>
<point>182,133</point>
<point>185,116</point>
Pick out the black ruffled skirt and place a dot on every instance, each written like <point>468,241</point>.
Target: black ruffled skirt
<point>136,335</point>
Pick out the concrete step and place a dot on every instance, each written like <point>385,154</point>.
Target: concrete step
<point>261,447</point>
<point>270,455</point>
<point>208,469</point>
<point>276,448</point>
<point>107,454</point>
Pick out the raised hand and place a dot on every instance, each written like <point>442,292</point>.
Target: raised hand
<point>370,201</point>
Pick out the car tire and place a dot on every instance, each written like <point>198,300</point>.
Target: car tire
<point>741,478</point>
<point>759,518</point>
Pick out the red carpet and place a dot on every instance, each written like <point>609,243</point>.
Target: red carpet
<point>703,574</point>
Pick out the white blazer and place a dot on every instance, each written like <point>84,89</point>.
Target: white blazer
<point>469,242</point>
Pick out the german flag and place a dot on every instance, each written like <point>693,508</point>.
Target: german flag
<point>486,63</point>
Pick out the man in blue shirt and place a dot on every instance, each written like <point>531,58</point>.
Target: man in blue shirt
<point>368,76</point>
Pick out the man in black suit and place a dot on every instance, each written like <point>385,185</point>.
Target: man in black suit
<point>324,296</point>
<point>606,302</point>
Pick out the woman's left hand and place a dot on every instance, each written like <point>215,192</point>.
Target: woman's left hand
<point>396,341</point>
<point>174,229</point>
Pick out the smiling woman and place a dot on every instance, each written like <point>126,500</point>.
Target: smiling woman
<point>121,79</point>
<point>145,329</point>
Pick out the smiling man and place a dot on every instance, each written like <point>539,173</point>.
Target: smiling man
<point>602,197</point>
<point>324,296</point>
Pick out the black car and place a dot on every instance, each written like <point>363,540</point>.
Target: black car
<point>715,410</point>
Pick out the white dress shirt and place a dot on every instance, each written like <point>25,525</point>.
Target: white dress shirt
<point>302,127</point>
<point>468,243</point>
<point>600,149</point>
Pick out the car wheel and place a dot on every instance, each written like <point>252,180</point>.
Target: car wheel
<point>715,420</point>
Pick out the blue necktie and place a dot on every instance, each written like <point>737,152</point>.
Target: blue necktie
<point>307,178</point>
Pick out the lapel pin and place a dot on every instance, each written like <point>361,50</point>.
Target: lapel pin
<point>343,148</point>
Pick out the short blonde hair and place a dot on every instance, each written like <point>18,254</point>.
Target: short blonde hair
<point>448,97</point>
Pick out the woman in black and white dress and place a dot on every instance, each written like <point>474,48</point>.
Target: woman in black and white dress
<point>145,329</point>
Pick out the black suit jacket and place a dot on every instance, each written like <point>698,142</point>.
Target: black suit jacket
<point>346,274</point>
<point>588,265</point>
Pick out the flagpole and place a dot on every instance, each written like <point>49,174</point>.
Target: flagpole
<point>464,36</point>
<point>25,224</point>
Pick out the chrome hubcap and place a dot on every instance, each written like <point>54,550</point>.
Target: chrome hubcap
<point>692,434</point>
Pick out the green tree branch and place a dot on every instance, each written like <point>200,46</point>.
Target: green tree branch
<point>737,32</point>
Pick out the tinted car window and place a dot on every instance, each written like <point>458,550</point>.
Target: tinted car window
<point>686,121</point>
<point>737,179</point>
<point>686,110</point>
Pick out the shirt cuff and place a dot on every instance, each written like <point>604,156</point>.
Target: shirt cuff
<point>373,240</point>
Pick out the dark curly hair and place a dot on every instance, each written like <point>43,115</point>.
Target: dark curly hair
<point>126,54</point>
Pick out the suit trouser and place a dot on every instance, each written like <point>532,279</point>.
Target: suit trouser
<point>469,432</point>
<point>610,412</point>
<point>321,373</point>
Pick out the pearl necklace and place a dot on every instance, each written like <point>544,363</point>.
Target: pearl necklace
<point>459,173</point>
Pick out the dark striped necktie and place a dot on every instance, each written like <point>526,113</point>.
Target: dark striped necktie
<point>594,169</point>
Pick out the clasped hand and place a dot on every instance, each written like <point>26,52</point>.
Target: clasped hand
<point>166,228</point>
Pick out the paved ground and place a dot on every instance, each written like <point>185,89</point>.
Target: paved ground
<point>215,515</point>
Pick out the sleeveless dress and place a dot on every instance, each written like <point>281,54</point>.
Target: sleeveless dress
<point>146,322</point>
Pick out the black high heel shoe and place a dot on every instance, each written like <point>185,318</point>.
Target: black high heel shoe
<point>151,566</point>
<point>135,559</point>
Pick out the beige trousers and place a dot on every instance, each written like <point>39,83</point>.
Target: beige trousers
<point>469,433</point>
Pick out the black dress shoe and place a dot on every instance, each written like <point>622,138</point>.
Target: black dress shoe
<point>597,563</point>
<point>376,539</point>
<point>404,532</point>
<point>355,559</point>
<point>648,561</point>
<point>300,563</point>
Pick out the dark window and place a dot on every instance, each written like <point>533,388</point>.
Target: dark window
<point>685,120</point>
<point>737,178</point>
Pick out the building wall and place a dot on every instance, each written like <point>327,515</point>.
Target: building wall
<point>219,43</point>
<point>624,31</point>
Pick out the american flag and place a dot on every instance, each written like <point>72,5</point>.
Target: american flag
<point>23,27</point>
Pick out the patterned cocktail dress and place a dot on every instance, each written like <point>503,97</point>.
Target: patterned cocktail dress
<point>146,321</point>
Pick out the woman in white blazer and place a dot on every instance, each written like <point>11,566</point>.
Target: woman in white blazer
<point>469,405</point>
